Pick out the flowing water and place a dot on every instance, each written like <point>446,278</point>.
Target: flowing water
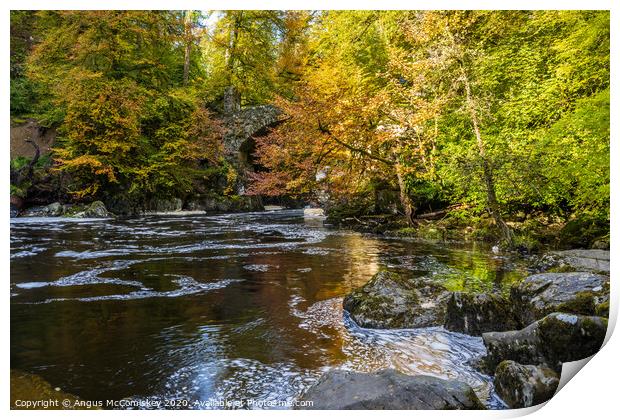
<point>228,307</point>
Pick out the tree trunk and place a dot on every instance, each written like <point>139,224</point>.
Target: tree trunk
<point>187,21</point>
<point>188,50</point>
<point>232,99</point>
<point>405,200</point>
<point>492,203</point>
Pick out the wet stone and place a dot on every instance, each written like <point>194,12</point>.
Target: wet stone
<point>557,338</point>
<point>390,301</point>
<point>525,385</point>
<point>389,390</point>
<point>475,314</point>
<point>541,294</point>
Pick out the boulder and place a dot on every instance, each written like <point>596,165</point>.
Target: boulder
<point>94,210</point>
<point>390,301</point>
<point>524,385</point>
<point>164,205</point>
<point>475,314</point>
<point>574,260</point>
<point>51,210</point>
<point>314,212</point>
<point>14,211</point>
<point>557,338</point>
<point>542,294</point>
<point>522,346</point>
<point>389,390</point>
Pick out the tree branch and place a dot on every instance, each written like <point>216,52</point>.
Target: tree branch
<point>366,153</point>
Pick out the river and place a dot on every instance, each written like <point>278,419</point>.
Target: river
<point>224,307</point>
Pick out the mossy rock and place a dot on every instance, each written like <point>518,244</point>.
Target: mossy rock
<point>28,388</point>
<point>583,303</point>
<point>602,309</point>
<point>524,385</point>
<point>568,337</point>
<point>583,231</point>
<point>553,340</point>
<point>574,292</point>
<point>475,314</point>
<point>390,301</point>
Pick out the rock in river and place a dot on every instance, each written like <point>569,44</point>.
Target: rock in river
<point>542,294</point>
<point>390,301</point>
<point>574,260</point>
<point>557,338</point>
<point>524,385</point>
<point>51,210</point>
<point>389,390</point>
<point>96,209</point>
<point>475,314</point>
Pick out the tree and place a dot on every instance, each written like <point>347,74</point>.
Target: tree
<point>126,123</point>
<point>241,55</point>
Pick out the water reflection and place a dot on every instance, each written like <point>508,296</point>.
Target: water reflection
<point>231,306</point>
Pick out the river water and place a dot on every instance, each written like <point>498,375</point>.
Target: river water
<point>227,307</point>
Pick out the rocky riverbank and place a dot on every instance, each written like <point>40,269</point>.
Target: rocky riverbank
<point>547,319</point>
<point>97,209</point>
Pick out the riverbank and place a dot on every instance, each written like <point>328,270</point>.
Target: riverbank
<point>533,234</point>
<point>544,321</point>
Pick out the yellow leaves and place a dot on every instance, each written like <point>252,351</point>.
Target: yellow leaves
<point>90,163</point>
<point>231,181</point>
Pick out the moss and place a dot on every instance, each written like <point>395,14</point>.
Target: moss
<point>526,242</point>
<point>29,387</point>
<point>431,232</point>
<point>583,304</point>
<point>386,301</point>
<point>405,232</point>
<point>566,340</point>
<point>583,230</point>
<point>602,309</point>
<point>563,268</point>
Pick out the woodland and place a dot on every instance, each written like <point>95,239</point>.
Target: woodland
<point>488,124</point>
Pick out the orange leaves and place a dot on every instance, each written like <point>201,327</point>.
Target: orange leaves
<point>205,133</point>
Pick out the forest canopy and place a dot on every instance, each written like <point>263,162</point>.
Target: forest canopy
<point>498,117</point>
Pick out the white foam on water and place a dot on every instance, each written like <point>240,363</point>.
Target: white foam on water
<point>33,250</point>
<point>187,286</point>
<point>258,267</point>
<point>422,351</point>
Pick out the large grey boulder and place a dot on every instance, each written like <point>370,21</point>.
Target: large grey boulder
<point>389,390</point>
<point>390,301</point>
<point>575,260</point>
<point>524,385</point>
<point>51,210</point>
<point>542,294</point>
<point>475,314</point>
<point>94,210</point>
<point>553,340</point>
